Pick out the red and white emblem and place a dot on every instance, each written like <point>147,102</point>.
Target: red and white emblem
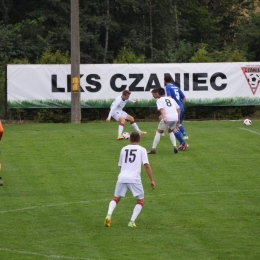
<point>252,75</point>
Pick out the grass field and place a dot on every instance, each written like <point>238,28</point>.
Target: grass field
<point>59,178</point>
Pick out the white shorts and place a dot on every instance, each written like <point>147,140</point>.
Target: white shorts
<point>163,126</point>
<point>118,114</point>
<point>136,189</point>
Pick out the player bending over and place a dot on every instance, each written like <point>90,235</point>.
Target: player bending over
<point>116,111</point>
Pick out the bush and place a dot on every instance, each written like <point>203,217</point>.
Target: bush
<point>61,115</point>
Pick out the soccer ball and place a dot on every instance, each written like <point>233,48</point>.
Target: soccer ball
<point>126,135</point>
<point>247,122</point>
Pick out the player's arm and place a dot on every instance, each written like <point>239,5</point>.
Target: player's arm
<point>150,175</point>
<point>163,115</point>
<point>179,114</point>
<point>132,101</point>
<point>182,97</point>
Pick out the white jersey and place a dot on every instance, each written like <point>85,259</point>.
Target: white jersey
<point>131,159</point>
<point>170,107</point>
<point>118,105</point>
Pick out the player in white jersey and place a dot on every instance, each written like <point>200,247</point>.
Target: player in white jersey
<point>170,114</point>
<point>116,111</point>
<point>131,159</point>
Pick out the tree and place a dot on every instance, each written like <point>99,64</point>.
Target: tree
<point>126,55</point>
<point>248,37</point>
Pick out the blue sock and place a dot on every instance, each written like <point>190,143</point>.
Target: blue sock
<point>179,137</point>
<point>181,128</point>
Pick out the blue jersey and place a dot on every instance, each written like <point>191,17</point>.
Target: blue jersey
<point>176,94</point>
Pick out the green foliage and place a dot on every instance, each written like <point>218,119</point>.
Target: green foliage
<point>62,115</point>
<point>220,113</point>
<point>3,62</point>
<point>19,61</point>
<point>126,55</point>
<point>54,58</point>
<point>248,37</point>
<point>180,53</point>
<point>236,56</point>
<point>229,54</point>
<point>47,115</point>
<point>155,31</point>
<point>22,40</point>
<point>201,55</point>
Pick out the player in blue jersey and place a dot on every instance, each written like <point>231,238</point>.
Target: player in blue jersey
<point>175,92</point>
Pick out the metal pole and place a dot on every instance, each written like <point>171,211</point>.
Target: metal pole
<point>75,64</point>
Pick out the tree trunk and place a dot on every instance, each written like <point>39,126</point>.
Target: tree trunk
<point>107,33</point>
<point>151,32</point>
<point>176,23</point>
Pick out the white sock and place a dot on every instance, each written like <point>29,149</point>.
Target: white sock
<point>111,207</point>
<point>156,139</point>
<point>173,139</point>
<point>136,212</point>
<point>120,130</point>
<point>135,126</point>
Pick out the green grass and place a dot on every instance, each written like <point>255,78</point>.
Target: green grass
<point>59,178</point>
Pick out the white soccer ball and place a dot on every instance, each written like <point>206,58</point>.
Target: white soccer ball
<point>247,122</point>
<point>126,135</point>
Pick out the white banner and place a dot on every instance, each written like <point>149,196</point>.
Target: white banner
<point>200,82</point>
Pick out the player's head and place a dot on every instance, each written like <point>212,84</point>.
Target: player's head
<point>126,94</point>
<point>167,78</point>
<point>134,137</point>
<point>161,91</point>
<point>155,93</point>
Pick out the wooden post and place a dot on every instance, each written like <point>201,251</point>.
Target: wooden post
<point>75,64</point>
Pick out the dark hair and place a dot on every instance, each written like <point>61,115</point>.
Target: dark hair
<point>135,137</point>
<point>167,78</point>
<point>161,91</point>
<point>155,90</point>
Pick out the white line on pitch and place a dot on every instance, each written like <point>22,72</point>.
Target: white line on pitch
<point>107,199</point>
<point>48,256</point>
<point>251,131</point>
<point>50,205</point>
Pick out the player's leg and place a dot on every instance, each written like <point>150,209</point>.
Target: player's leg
<point>134,125</point>
<point>172,126</point>
<point>183,145</point>
<point>160,118</point>
<point>161,127</point>
<point>138,192</point>
<point>181,128</point>
<point>121,127</point>
<point>120,191</point>
<point>119,118</point>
